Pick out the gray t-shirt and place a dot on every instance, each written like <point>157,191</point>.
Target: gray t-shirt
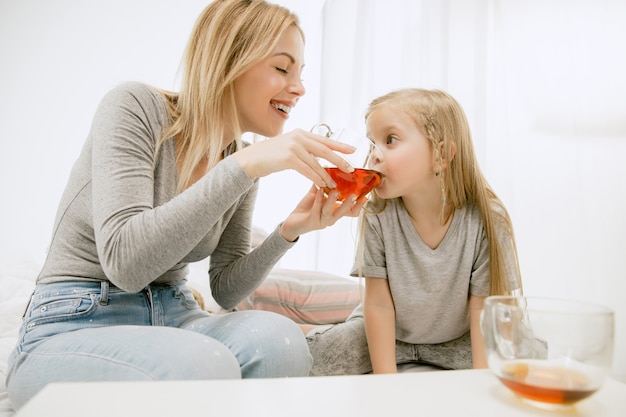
<point>121,219</point>
<point>430,287</point>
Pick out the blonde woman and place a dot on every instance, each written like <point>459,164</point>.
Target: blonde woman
<point>164,180</point>
<point>435,241</point>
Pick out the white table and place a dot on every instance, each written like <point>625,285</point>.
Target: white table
<point>428,394</point>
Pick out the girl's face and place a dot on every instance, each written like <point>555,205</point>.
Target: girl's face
<point>267,92</point>
<point>403,154</point>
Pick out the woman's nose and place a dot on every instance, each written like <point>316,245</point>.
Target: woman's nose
<point>297,87</point>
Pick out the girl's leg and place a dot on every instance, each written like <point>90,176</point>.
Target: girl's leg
<point>340,349</point>
<point>455,354</point>
<point>118,353</point>
<point>265,344</point>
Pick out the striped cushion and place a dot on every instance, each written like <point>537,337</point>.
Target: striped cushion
<point>305,296</point>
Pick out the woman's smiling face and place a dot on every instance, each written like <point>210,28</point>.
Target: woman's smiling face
<point>266,93</point>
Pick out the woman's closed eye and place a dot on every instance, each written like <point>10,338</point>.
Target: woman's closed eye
<point>281,70</point>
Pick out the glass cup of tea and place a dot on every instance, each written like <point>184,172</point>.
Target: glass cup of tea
<point>550,352</point>
<point>359,182</point>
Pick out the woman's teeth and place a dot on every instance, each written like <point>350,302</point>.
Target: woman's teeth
<point>282,107</point>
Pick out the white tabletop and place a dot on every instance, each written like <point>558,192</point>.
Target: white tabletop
<point>443,393</point>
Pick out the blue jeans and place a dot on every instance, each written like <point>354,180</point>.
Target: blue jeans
<point>84,331</point>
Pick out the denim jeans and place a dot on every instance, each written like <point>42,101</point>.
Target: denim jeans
<point>88,331</point>
<point>341,349</point>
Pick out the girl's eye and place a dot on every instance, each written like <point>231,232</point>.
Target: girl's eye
<point>390,140</point>
<point>279,69</point>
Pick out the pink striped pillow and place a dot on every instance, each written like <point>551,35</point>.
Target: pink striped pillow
<point>305,296</point>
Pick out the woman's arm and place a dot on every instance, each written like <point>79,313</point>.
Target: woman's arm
<point>235,273</point>
<point>380,325</point>
<point>136,240</point>
<point>478,351</point>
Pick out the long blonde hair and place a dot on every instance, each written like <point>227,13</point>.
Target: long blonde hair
<point>229,37</point>
<point>441,119</point>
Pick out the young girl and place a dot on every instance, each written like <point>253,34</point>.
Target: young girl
<point>164,180</point>
<point>434,242</point>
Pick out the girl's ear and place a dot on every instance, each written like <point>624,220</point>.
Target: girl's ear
<point>446,157</point>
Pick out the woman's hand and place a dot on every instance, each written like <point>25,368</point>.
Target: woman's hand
<point>296,150</point>
<point>315,212</point>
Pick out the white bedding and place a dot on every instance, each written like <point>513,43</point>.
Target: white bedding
<point>15,291</point>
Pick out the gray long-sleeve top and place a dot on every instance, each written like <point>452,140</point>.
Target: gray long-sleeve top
<point>121,219</point>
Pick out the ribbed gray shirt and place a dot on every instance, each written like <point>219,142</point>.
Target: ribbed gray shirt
<point>121,219</point>
<point>431,287</point>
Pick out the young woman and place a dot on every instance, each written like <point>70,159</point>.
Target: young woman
<point>164,180</point>
<point>435,241</point>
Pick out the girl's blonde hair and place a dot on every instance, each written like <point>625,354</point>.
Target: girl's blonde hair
<point>441,119</point>
<point>229,37</point>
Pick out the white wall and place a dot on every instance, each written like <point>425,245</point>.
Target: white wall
<point>58,59</point>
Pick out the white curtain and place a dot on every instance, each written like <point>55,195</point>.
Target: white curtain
<point>542,83</point>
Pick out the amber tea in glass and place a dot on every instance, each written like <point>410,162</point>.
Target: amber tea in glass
<point>359,182</point>
<point>552,353</point>
<point>544,384</point>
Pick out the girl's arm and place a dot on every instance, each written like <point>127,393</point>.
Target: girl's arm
<point>380,325</point>
<point>478,351</point>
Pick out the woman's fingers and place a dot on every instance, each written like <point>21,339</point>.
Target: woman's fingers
<point>327,149</point>
<point>298,150</point>
<point>310,167</point>
<point>317,211</point>
<point>315,147</point>
<point>304,149</point>
<point>329,208</point>
<point>357,206</point>
<point>333,209</point>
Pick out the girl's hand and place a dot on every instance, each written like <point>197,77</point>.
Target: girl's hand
<point>296,150</point>
<point>316,212</point>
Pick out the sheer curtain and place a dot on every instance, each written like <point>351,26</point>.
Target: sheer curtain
<point>542,84</point>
